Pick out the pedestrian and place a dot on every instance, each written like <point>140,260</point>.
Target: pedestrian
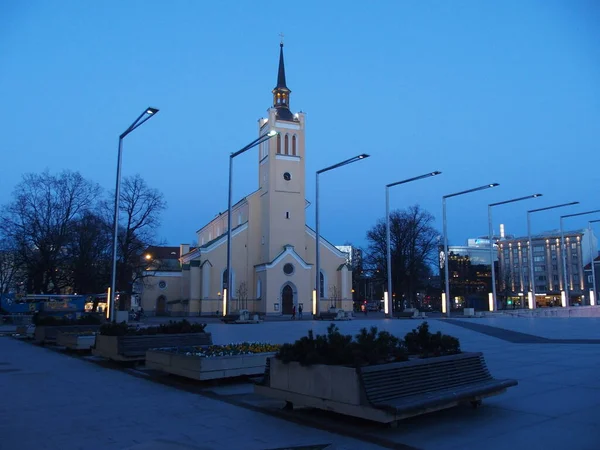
<point>294,312</point>
<point>300,311</point>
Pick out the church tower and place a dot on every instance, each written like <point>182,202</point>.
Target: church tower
<point>282,174</point>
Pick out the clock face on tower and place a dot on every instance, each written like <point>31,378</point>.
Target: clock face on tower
<point>287,176</point>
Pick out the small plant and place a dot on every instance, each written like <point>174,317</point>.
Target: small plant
<point>423,343</point>
<point>334,348</point>
<point>179,327</point>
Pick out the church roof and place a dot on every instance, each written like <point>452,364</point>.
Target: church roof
<point>282,92</point>
<point>281,72</point>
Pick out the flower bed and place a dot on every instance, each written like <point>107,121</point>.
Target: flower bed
<point>213,361</point>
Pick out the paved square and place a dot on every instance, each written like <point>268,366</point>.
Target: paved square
<point>51,400</point>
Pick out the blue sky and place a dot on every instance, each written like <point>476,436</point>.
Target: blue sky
<point>504,92</point>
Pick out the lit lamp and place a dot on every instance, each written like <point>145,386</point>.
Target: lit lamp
<point>443,303</point>
<point>108,304</point>
<point>314,302</point>
<point>563,299</point>
<point>530,299</point>
<point>491,299</point>
<point>224,302</point>
<point>148,256</point>
<point>386,305</point>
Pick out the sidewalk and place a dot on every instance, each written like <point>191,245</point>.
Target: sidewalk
<point>53,401</point>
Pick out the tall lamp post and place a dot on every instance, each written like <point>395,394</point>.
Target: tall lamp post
<point>317,292</point>
<point>593,291</point>
<point>445,225</point>
<point>494,299</point>
<point>390,295</point>
<point>567,300</point>
<point>143,117</point>
<point>228,293</point>
<point>530,252</point>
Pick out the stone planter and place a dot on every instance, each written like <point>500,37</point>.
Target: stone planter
<point>200,368</point>
<point>387,392</point>
<point>134,348</point>
<point>47,334</point>
<point>76,341</point>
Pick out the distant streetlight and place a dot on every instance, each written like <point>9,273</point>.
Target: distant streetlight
<point>445,226</point>
<point>494,300</point>
<point>228,293</point>
<point>142,118</point>
<point>567,300</point>
<point>530,254</point>
<point>317,292</point>
<point>388,294</point>
<point>593,292</point>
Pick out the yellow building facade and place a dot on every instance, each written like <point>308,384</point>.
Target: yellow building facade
<point>273,250</point>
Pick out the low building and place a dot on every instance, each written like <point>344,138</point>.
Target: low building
<point>589,280</point>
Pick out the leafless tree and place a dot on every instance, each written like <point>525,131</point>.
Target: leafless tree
<point>140,207</point>
<point>10,266</point>
<point>334,295</point>
<point>413,242</point>
<point>40,222</point>
<point>242,295</point>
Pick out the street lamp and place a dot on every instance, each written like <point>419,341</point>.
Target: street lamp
<point>530,253</point>
<point>228,293</point>
<point>389,299</point>
<point>564,256</point>
<point>445,226</point>
<point>494,300</point>
<point>143,117</point>
<point>317,292</point>
<point>592,257</point>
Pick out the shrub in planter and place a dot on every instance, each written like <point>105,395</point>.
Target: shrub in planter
<point>334,348</point>
<point>173,327</point>
<point>423,343</point>
<point>49,321</point>
<point>213,351</point>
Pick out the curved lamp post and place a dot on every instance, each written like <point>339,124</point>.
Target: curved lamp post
<point>142,118</point>
<point>593,291</point>
<point>317,292</point>
<point>389,295</point>
<point>446,301</point>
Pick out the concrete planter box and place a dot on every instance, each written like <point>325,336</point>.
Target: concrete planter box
<point>134,348</point>
<point>384,393</point>
<point>199,368</point>
<point>47,334</point>
<point>76,341</point>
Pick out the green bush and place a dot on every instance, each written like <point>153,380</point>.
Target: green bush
<point>368,347</point>
<point>334,348</point>
<point>173,327</point>
<point>426,345</point>
<point>49,321</point>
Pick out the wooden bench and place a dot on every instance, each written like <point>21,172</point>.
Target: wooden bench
<point>426,385</point>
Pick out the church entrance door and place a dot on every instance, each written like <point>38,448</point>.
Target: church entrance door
<point>287,299</point>
<point>161,306</point>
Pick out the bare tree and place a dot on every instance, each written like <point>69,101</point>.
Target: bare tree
<point>413,243</point>
<point>242,295</point>
<point>334,295</point>
<point>140,207</point>
<point>10,266</point>
<point>40,222</point>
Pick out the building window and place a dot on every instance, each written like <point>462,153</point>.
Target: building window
<point>287,176</point>
<point>590,279</point>
<point>162,284</point>
<point>538,258</point>
<point>258,288</point>
<point>288,269</point>
<point>279,143</point>
<point>538,268</point>
<point>553,247</point>
<point>294,145</point>
<point>287,143</point>
<point>524,259</point>
<point>574,245</point>
<point>322,285</point>
<point>575,278</point>
<point>239,218</point>
<point>538,248</point>
<point>554,267</point>
<point>224,280</point>
<point>555,277</point>
<point>541,278</point>
<point>553,256</point>
<point>287,214</point>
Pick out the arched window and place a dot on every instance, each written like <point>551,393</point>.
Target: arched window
<point>322,285</point>
<point>287,143</point>
<point>278,143</point>
<point>294,145</point>
<point>224,280</point>
<point>258,288</point>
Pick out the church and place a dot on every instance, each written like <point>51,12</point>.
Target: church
<point>273,250</point>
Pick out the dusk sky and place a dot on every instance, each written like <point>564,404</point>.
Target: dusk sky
<point>483,91</point>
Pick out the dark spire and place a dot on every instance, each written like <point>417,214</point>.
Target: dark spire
<point>281,72</point>
<point>281,93</point>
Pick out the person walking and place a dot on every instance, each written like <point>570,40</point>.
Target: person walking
<point>294,312</point>
<point>300,311</point>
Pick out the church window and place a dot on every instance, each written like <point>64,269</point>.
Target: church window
<point>224,280</point>
<point>239,218</point>
<point>294,145</point>
<point>287,214</point>
<point>287,176</point>
<point>279,143</point>
<point>258,288</point>
<point>288,269</point>
<point>287,148</point>
<point>322,284</point>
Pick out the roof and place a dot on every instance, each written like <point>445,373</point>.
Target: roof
<point>545,235</point>
<point>281,72</point>
<point>159,252</point>
<point>589,265</point>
